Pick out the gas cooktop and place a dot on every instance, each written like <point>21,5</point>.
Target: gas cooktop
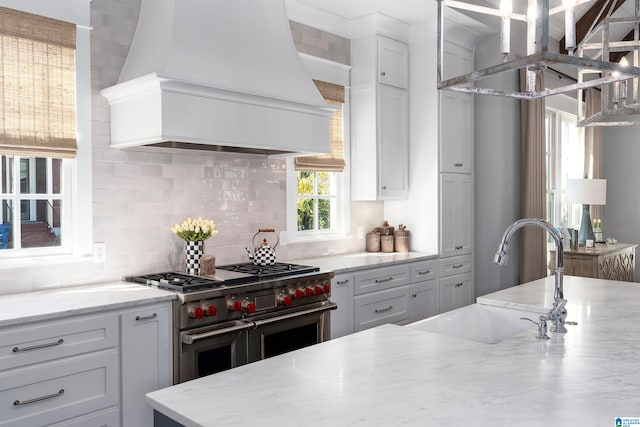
<point>226,275</point>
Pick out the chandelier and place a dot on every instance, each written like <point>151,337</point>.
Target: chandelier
<point>538,57</point>
<point>620,101</point>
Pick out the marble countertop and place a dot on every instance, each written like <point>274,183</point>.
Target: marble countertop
<point>344,263</point>
<point>53,303</point>
<point>392,375</point>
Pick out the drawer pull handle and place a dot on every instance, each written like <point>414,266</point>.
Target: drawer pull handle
<point>36,347</point>
<point>459,165</point>
<point>38,399</point>
<point>459,247</point>
<point>140,319</point>
<point>457,266</point>
<point>423,272</point>
<point>342,282</point>
<point>382,310</point>
<point>383,74</point>
<point>459,284</point>
<point>388,279</point>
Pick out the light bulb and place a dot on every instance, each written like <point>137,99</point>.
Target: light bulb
<point>506,8</point>
<point>569,4</point>
<point>624,62</point>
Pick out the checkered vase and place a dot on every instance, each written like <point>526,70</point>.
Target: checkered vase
<point>193,253</point>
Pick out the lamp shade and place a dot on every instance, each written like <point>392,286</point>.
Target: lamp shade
<point>587,191</point>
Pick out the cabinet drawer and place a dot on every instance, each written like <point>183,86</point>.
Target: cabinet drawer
<point>388,306</point>
<point>382,278</point>
<point>53,392</point>
<point>44,341</point>
<point>455,265</point>
<point>424,270</point>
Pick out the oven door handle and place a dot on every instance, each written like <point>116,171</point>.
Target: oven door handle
<point>191,339</point>
<point>330,306</point>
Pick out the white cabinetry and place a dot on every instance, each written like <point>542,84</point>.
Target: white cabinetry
<point>456,185</point>
<point>342,295</point>
<point>456,213</point>
<point>86,369</point>
<point>398,294</point>
<point>456,282</point>
<point>146,360</point>
<point>379,119</point>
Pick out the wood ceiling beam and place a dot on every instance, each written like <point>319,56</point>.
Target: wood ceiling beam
<point>586,21</point>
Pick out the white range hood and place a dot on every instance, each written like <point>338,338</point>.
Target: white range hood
<point>218,75</point>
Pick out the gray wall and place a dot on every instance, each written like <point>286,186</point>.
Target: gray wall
<point>497,175</point>
<point>620,217</point>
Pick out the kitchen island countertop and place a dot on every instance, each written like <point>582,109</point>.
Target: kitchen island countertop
<point>393,375</point>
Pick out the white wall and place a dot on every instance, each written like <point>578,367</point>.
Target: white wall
<point>420,212</point>
<point>139,194</point>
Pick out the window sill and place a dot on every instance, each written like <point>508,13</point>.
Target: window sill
<point>292,240</point>
<point>46,260</point>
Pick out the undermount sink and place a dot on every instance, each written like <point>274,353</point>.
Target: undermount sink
<point>478,322</point>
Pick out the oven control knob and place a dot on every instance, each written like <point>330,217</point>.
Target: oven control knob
<point>286,300</point>
<point>299,294</point>
<point>249,307</point>
<point>236,306</point>
<point>196,312</point>
<point>318,290</point>
<point>326,289</point>
<point>308,292</point>
<point>212,310</point>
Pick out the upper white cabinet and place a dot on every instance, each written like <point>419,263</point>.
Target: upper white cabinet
<point>393,63</point>
<point>379,119</point>
<point>456,116</point>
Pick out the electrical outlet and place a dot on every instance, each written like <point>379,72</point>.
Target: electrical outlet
<point>360,233</point>
<point>99,251</point>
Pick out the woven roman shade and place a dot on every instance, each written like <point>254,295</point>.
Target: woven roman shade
<point>37,85</point>
<point>333,161</point>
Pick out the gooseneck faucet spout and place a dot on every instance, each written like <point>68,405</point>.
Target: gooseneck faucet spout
<point>558,313</point>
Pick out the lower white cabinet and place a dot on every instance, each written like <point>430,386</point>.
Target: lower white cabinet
<point>455,291</point>
<point>85,370</point>
<point>146,360</point>
<point>424,300</point>
<point>342,294</point>
<point>378,308</point>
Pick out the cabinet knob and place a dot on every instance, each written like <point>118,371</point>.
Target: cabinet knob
<point>383,74</point>
<point>459,247</point>
<point>384,187</point>
<point>459,165</point>
<point>414,295</point>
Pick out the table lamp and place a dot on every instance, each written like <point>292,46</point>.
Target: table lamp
<point>586,192</point>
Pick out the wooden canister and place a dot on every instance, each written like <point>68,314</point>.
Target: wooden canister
<point>386,242</point>
<point>373,241</point>
<point>401,240</point>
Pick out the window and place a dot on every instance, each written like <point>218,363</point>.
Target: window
<point>564,159</point>
<point>45,155</point>
<point>318,186</point>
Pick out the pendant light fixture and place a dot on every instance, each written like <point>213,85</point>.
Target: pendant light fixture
<point>538,57</point>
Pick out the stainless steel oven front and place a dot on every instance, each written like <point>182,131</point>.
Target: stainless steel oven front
<point>290,330</point>
<point>210,349</point>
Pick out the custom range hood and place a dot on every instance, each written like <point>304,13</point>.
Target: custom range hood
<point>218,75</point>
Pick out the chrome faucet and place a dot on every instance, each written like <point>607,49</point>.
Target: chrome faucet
<point>558,313</point>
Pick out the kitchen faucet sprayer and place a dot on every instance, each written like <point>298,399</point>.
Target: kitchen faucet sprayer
<point>558,313</point>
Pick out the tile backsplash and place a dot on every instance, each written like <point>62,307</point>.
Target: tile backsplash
<point>138,194</point>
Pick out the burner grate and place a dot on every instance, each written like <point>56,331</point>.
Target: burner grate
<point>279,269</point>
<point>176,281</point>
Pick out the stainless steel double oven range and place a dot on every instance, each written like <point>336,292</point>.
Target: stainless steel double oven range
<point>244,313</point>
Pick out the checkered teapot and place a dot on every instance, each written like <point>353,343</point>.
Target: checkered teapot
<point>264,254</point>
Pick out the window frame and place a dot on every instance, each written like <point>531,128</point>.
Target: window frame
<point>78,221</point>
<point>336,73</point>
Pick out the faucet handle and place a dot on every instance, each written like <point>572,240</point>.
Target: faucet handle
<point>542,327</point>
